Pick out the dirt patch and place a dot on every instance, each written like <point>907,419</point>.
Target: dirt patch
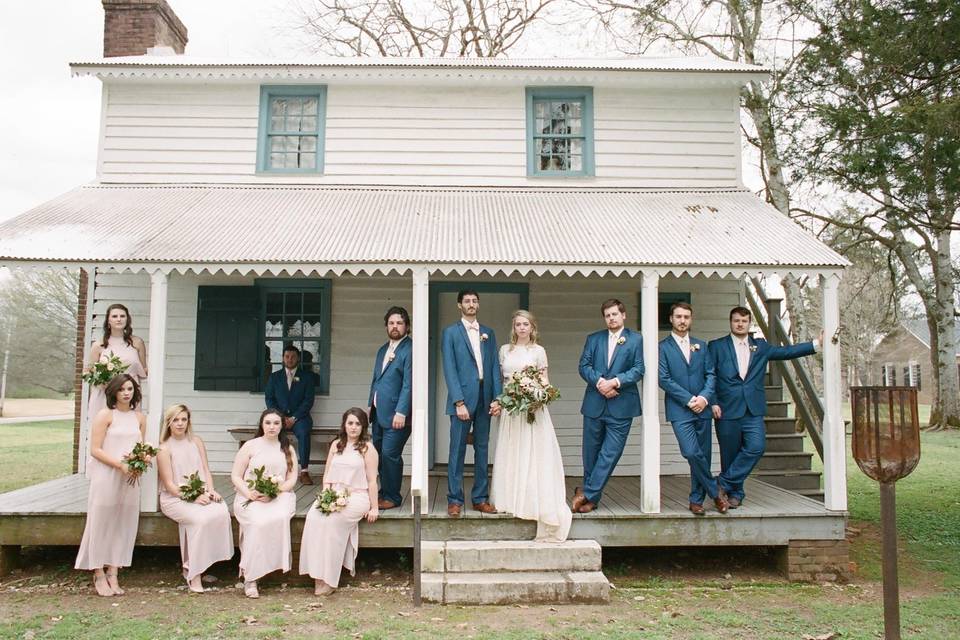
<point>33,407</point>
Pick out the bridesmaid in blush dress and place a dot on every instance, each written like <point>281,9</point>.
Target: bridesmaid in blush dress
<point>329,542</point>
<point>113,504</point>
<point>264,522</point>
<point>206,535</point>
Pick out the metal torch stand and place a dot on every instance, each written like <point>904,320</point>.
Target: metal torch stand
<point>891,589</point>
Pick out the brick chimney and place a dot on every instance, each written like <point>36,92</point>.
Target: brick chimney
<point>131,27</point>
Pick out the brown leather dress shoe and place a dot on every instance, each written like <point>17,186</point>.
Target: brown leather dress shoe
<point>577,502</point>
<point>453,510</point>
<point>386,504</point>
<point>305,477</point>
<point>697,509</point>
<point>484,507</point>
<point>470,437</point>
<point>586,507</point>
<point>734,502</point>
<point>720,502</point>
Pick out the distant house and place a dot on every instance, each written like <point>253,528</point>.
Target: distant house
<point>902,358</point>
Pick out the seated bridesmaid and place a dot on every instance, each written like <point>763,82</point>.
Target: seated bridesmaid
<point>206,535</point>
<point>329,542</point>
<point>113,503</point>
<point>264,521</point>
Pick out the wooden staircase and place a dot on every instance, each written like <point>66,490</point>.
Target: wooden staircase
<point>785,463</point>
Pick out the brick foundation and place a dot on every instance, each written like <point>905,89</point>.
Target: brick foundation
<point>816,561</point>
<point>78,366</point>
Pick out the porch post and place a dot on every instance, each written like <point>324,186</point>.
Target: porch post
<point>834,440</point>
<point>420,465</point>
<point>155,363</point>
<point>650,460</point>
<point>86,301</point>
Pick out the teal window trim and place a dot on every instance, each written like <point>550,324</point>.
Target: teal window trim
<point>264,133</point>
<point>585,95</point>
<point>294,285</point>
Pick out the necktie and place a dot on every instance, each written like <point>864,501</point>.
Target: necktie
<point>743,358</point>
<point>289,379</point>
<point>685,348</point>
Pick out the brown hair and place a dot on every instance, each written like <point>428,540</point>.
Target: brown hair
<point>113,387</point>
<point>361,416</point>
<point>127,330</point>
<point>681,305</point>
<point>168,416</point>
<point>282,436</point>
<point>740,311</point>
<point>612,302</point>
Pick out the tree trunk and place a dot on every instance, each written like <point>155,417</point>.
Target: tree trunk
<point>941,312</point>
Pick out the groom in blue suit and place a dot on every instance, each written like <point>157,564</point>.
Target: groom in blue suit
<point>290,391</point>
<point>741,405</point>
<point>389,403</point>
<point>611,365</point>
<point>472,372</point>
<point>688,381</point>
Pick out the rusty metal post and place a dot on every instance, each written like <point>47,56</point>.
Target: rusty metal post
<point>891,582</point>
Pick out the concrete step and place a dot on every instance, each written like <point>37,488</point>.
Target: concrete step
<point>777,408</point>
<point>791,460</point>
<point>481,556</point>
<point>792,480</point>
<point>515,587</point>
<point>780,425</point>
<point>784,443</point>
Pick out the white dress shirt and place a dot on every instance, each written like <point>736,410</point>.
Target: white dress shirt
<point>742,348</point>
<point>612,344</point>
<point>291,374</point>
<point>391,349</point>
<point>684,343</point>
<point>473,334</point>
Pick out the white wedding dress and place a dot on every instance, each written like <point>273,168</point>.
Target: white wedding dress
<point>528,478</point>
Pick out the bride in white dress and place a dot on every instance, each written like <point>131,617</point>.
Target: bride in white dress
<point>528,478</point>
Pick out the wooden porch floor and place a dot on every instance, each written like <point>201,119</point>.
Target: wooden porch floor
<point>52,513</point>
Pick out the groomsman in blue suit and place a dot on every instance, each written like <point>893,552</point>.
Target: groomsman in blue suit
<point>611,365</point>
<point>472,371</point>
<point>741,405</point>
<point>290,391</point>
<point>688,382</point>
<point>389,403</point>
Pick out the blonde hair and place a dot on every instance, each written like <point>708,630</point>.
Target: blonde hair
<point>168,417</point>
<point>534,333</point>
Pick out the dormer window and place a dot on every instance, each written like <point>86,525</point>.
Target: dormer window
<point>560,131</point>
<point>290,136</point>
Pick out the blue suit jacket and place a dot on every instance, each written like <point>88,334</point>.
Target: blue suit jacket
<point>295,401</point>
<point>681,381</point>
<point>393,385</point>
<point>626,365</point>
<point>460,368</point>
<point>738,396</point>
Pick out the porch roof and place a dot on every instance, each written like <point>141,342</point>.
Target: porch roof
<point>214,225</point>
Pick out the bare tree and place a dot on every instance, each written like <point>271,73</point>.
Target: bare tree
<point>751,31</point>
<point>408,28</point>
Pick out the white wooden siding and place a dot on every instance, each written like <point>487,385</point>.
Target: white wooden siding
<point>421,135</point>
<point>567,310</point>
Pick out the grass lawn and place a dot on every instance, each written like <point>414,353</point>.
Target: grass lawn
<point>689,594</point>
<point>32,452</point>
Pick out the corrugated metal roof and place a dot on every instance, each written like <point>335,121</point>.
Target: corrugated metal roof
<point>310,224</point>
<point>698,64</point>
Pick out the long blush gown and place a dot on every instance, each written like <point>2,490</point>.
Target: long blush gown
<point>130,357</point>
<point>206,536</point>
<point>265,526</point>
<point>330,542</point>
<point>528,479</point>
<point>113,506</point>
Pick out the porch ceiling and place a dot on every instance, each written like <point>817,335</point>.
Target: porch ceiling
<point>211,226</point>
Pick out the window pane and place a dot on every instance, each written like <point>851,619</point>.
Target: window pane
<point>274,307</point>
<point>576,109</point>
<point>279,106</point>
<point>277,161</point>
<point>276,144</point>
<point>276,123</point>
<point>544,163</point>
<point>308,124</point>
<point>540,109</point>
<point>294,106</point>
<point>309,106</point>
<point>576,146</point>
<point>576,126</point>
<point>308,161</point>
<point>312,303</point>
<point>308,143</point>
<point>576,163</point>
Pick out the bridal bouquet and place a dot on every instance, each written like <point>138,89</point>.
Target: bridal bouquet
<point>330,500</point>
<point>267,485</point>
<point>139,460</point>
<point>104,370</point>
<point>525,392</point>
<point>193,488</point>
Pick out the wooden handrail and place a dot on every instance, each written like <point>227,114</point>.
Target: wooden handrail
<point>810,408</point>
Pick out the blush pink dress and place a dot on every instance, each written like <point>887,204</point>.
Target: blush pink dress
<point>113,506</point>
<point>206,535</point>
<point>265,526</point>
<point>330,542</point>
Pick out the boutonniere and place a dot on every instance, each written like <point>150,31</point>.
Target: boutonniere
<point>621,340</point>
<point>296,378</point>
<point>695,347</point>
<point>391,356</point>
<point>753,348</point>
<point>484,337</point>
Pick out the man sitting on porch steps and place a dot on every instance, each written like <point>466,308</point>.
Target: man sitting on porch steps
<point>688,382</point>
<point>740,362</point>
<point>290,391</point>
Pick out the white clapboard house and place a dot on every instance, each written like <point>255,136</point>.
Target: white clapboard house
<point>240,204</point>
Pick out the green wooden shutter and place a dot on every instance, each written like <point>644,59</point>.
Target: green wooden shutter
<point>227,339</point>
